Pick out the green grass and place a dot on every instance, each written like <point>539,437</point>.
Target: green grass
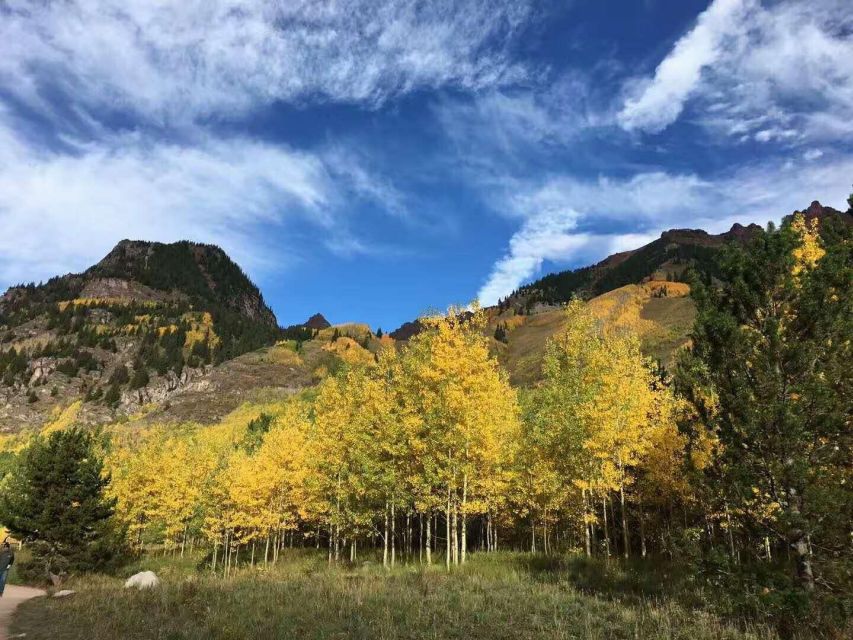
<point>504,596</point>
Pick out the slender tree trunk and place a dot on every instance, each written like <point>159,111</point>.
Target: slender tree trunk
<point>429,539</point>
<point>393,536</point>
<point>730,532</point>
<point>385,540</point>
<point>227,557</point>
<point>253,554</point>
<point>606,530</point>
<point>408,549</point>
<point>586,525</point>
<point>625,548</point>
<point>213,562</point>
<point>464,540</point>
<point>532,533</point>
<point>801,543</point>
<point>612,507</point>
<point>449,540</point>
<point>455,533</point>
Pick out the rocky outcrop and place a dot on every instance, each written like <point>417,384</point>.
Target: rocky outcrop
<point>41,369</point>
<point>164,387</point>
<point>101,288</point>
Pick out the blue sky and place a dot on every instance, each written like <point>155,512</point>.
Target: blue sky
<point>375,160</point>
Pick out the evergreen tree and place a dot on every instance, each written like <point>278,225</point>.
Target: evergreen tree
<point>140,378</point>
<point>54,499</point>
<point>770,371</point>
<point>113,395</point>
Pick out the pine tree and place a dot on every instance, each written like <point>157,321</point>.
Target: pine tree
<point>140,377</point>
<point>770,368</point>
<point>54,499</point>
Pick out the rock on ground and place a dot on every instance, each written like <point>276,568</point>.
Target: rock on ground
<point>143,580</point>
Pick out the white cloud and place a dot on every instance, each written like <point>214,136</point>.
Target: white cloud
<point>776,72</point>
<point>61,211</point>
<point>559,212</point>
<point>659,102</point>
<point>178,61</point>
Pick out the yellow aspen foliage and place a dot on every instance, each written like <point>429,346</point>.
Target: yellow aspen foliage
<point>810,250</point>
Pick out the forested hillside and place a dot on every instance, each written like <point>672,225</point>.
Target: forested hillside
<point>142,323</point>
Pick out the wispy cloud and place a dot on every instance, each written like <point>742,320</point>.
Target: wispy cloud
<point>59,211</point>
<point>775,73</point>
<point>180,61</point>
<point>571,221</point>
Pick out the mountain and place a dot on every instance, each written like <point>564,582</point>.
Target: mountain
<point>142,323</point>
<point>666,258</point>
<point>317,321</point>
<point>177,332</point>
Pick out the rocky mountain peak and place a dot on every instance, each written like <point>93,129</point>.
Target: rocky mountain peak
<point>317,321</point>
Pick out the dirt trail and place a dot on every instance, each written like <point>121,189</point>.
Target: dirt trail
<point>12,597</point>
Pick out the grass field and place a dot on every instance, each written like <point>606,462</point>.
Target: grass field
<point>502,596</point>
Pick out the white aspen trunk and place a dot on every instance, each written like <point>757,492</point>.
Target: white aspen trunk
<point>227,551</point>
<point>429,539</point>
<point>420,538</point>
<point>586,525</point>
<point>489,532</point>
<point>455,533</point>
<point>267,550</point>
<point>606,530</point>
<point>532,533</point>
<point>385,540</point>
<point>767,555</point>
<point>449,541</point>
<point>213,562</point>
<point>464,540</point>
<point>408,544</point>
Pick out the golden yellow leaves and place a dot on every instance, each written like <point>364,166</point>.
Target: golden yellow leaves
<point>810,250</point>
